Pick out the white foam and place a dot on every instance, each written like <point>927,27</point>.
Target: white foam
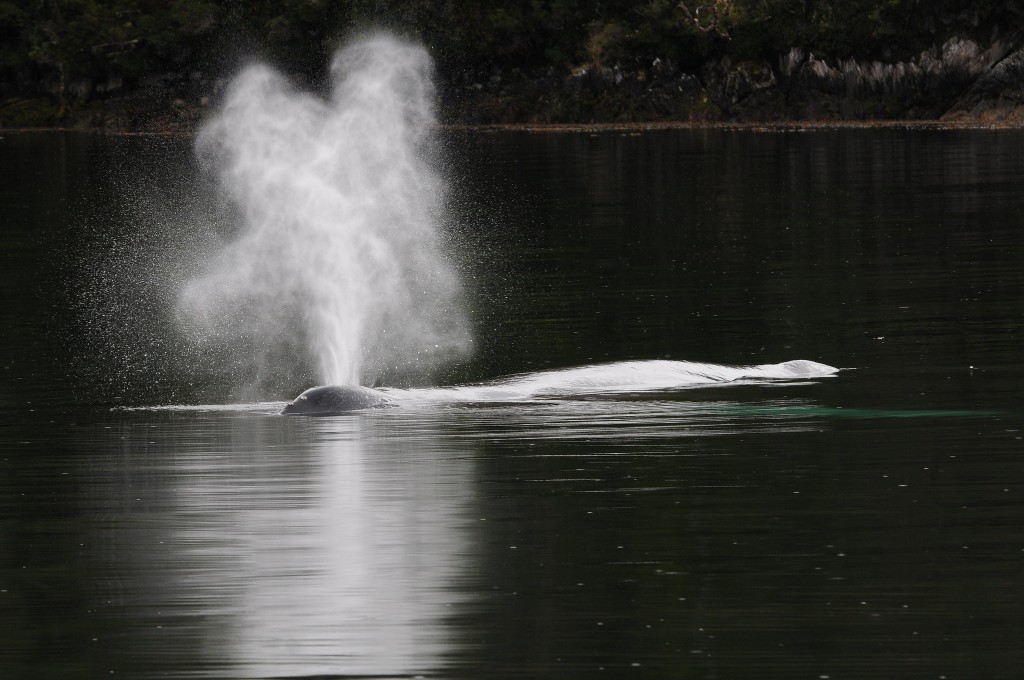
<point>622,377</point>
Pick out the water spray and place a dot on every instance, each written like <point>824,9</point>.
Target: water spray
<point>340,207</point>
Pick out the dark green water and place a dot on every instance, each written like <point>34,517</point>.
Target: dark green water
<point>865,525</point>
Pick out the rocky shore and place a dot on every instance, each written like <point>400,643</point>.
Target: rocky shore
<point>959,81</point>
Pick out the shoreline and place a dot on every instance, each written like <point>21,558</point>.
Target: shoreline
<point>599,128</point>
<point>740,126</point>
<point>955,81</point>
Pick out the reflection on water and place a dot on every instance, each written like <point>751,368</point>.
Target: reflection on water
<point>315,546</point>
<point>705,533</point>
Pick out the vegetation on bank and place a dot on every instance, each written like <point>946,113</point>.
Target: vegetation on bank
<point>60,59</point>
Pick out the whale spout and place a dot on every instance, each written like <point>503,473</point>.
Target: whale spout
<point>331,400</point>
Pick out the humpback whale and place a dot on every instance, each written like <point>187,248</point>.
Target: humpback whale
<point>332,400</point>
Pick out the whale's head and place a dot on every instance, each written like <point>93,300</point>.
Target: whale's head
<point>332,400</point>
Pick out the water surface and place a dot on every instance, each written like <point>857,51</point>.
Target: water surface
<point>865,524</point>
